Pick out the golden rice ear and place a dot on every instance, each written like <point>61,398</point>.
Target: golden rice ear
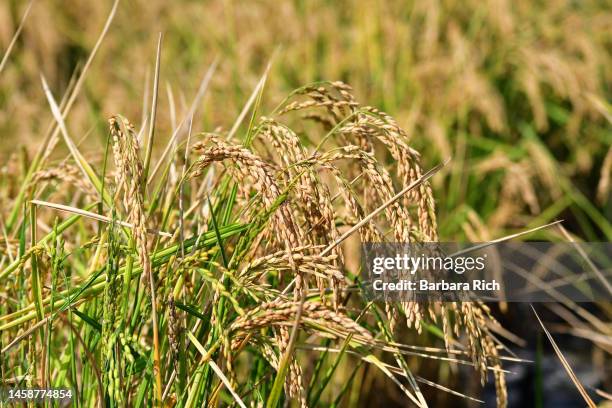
<point>312,204</point>
<point>129,179</point>
<point>365,126</point>
<point>249,165</point>
<point>67,174</point>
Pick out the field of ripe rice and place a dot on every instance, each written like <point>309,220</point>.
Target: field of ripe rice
<point>184,187</point>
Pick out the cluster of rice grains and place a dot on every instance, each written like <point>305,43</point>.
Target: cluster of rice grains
<point>130,181</point>
<point>257,265</point>
<point>315,191</point>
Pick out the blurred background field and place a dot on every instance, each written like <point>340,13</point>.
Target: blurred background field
<point>517,93</point>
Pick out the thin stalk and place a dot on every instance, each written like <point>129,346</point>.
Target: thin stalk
<point>151,135</point>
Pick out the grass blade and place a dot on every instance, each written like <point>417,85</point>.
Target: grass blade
<point>565,364</point>
<point>151,135</point>
<point>15,36</point>
<point>89,214</point>
<point>87,170</point>
<point>283,367</point>
<point>216,369</point>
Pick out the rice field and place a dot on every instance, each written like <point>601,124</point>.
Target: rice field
<point>184,188</point>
